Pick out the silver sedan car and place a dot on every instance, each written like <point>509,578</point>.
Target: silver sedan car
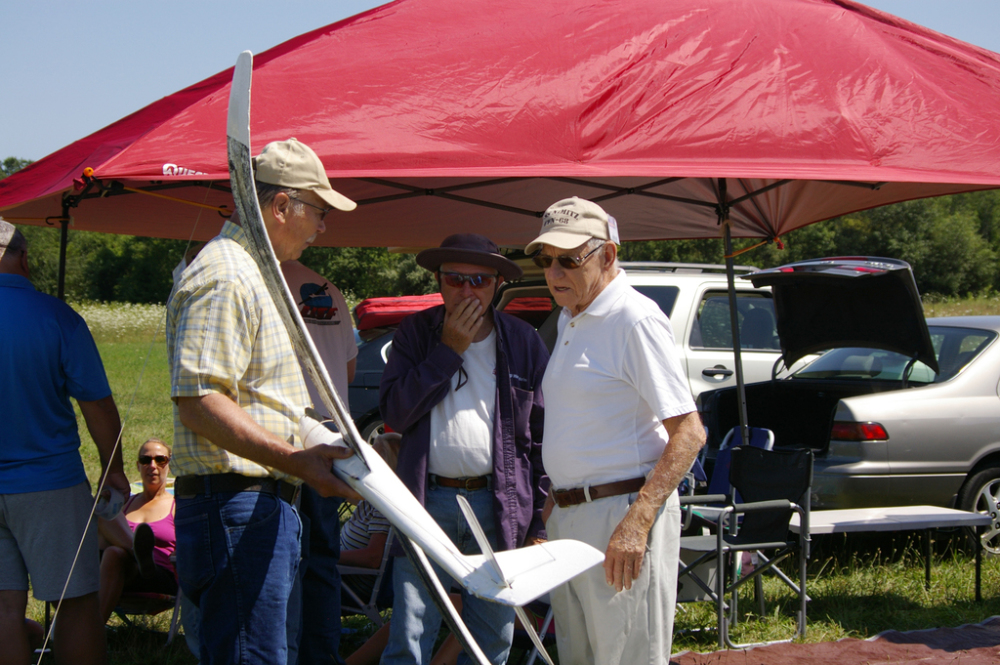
<point>899,410</point>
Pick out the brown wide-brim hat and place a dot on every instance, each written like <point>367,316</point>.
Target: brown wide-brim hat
<point>469,248</point>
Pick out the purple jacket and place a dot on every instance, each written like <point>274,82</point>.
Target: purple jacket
<point>419,374</point>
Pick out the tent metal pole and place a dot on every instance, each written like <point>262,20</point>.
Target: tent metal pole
<point>63,241</point>
<point>723,210</point>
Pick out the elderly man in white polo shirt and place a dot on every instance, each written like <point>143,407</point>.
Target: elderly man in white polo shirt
<point>620,432</point>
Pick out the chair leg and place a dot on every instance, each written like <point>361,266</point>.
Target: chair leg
<point>720,598</point>
<point>803,596</point>
<point>758,590</point>
<point>175,619</point>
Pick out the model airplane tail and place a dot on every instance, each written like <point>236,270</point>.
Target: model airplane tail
<point>515,577</point>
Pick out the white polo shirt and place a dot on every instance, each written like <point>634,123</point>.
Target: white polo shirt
<point>613,377</point>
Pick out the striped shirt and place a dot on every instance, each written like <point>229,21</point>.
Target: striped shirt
<point>224,336</point>
<point>356,533</point>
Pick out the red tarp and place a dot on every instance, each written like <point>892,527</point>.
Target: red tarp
<point>425,110</point>
<point>382,312</point>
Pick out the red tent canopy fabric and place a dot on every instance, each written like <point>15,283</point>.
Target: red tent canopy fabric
<point>441,117</point>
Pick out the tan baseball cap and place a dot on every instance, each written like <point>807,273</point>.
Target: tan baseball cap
<point>294,164</point>
<point>571,222</point>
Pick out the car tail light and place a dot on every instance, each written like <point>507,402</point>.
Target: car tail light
<point>843,431</point>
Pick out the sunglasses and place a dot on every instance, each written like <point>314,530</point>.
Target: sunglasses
<point>477,281</point>
<point>544,261</point>
<point>323,212</point>
<point>161,460</point>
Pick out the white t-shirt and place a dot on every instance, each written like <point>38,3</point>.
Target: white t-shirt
<point>328,321</point>
<point>462,423</point>
<point>613,377</point>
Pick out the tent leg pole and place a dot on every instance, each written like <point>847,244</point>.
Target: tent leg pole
<point>63,241</point>
<point>734,322</point>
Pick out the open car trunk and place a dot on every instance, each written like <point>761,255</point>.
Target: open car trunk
<point>819,305</point>
<point>799,412</point>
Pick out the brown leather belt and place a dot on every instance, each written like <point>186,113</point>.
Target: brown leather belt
<point>187,487</point>
<point>578,495</point>
<point>469,484</point>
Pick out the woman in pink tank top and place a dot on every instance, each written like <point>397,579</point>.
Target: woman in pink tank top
<point>138,543</point>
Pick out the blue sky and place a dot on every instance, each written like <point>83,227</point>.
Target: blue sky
<point>74,67</point>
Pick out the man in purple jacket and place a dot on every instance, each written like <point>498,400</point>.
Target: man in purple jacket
<point>463,387</point>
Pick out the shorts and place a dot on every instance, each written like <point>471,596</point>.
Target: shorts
<point>39,536</point>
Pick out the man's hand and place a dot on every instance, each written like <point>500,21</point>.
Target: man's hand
<point>462,324</point>
<point>315,467</point>
<point>119,481</point>
<point>534,540</point>
<point>627,548</point>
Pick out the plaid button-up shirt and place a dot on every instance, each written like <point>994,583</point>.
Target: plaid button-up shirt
<point>224,336</point>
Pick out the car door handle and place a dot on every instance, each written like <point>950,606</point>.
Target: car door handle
<point>717,371</point>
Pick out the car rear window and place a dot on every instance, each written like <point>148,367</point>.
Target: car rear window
<point>664,296</point>
<point>954,347</point>
<point>712,329</point>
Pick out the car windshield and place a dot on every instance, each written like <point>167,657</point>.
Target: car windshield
<point>954,348</point>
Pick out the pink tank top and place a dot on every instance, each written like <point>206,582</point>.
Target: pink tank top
<point>164,539</point>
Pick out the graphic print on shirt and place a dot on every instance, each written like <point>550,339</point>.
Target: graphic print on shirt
<point>316,304</point>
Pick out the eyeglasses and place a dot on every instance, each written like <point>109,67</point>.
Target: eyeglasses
<point>477,281</point>
<point>323,212</point>
<point>544,261</point>
<point>161,460</point>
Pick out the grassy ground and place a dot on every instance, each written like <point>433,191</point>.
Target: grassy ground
<point>859,586</point>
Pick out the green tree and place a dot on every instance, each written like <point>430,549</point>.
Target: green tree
<point>12,165</point>
<point>366,272</point>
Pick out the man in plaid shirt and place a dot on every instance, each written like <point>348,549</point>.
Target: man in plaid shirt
<point>238,394</point>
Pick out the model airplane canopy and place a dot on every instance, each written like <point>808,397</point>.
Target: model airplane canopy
<point>440,117</point>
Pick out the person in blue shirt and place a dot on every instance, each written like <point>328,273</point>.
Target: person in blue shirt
<point>47,356</point>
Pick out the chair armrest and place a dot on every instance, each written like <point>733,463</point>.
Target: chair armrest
<point>762,506</point>
<point>703,499</point>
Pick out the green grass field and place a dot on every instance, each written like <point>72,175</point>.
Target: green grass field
<point>859,586</point>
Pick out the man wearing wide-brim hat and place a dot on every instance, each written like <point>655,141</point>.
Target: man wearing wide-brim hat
<point>463,387</point>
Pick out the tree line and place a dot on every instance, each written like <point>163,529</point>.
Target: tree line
<point>952,242</point>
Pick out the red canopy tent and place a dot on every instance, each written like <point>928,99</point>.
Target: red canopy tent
<point>440,116</point>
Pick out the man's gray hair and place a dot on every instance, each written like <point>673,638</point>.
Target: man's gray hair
<point>11,239</point>
<point>593,244</point>
<point>266,192</point>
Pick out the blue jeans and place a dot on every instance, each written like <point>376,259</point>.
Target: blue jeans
<point>237,556</point>
<point>416,619</point>
<point>320,579</point>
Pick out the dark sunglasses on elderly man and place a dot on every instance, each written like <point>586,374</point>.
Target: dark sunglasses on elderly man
<point>567,262</point>
<point>161,460</point>
<point>477,281</point>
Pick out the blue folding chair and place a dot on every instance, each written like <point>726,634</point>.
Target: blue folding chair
<point>760,437</point>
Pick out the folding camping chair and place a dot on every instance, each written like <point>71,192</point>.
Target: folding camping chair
<point>369,604</point>
<point>759,437</point>
<point>720,492</point>
<point>774,483</point>
<point>150,604</point>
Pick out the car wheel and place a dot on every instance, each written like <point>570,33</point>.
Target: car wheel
<point>372,430</point>
<point>981,494</point>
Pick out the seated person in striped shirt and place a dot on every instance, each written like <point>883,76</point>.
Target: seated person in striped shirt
<point>363,536</point>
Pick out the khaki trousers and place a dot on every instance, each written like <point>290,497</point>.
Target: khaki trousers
<point>595,625</point>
